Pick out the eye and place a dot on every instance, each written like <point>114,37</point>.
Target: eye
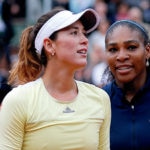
<point>112,50</point>
<point>74,32</point>
<point>131,47</point>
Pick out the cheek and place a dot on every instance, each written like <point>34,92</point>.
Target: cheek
<point>110,60</point>
<point>69,45</point>
<point>140,63</point>
<point>66,45</point>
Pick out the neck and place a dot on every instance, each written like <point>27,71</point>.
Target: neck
<point>131,88</point>
<point>130,91</point>
<point>63,90</point>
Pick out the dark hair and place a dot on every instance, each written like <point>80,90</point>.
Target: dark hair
<point>30,64</point>
<point>4,87</point>
<point>132,25</point>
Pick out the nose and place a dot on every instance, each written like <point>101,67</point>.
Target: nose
<point>122,55</point>
<point>84,39</point>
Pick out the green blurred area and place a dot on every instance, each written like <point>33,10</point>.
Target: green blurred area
<point>18,26</point>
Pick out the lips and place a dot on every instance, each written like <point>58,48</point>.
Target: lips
<point>124,69</point>
<point>83,51</point>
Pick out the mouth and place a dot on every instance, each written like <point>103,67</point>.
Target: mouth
<point>83,51</point>
<point>123,69</point>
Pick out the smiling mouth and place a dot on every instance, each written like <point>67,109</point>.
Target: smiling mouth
<point>82,52</point>
<point>124,70</point>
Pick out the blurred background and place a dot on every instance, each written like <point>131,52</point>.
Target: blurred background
<point>15,15</point>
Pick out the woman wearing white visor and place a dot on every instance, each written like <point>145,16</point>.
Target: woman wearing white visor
<point>48,109</point>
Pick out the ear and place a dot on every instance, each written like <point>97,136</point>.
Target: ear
<point>47,43</point>
<point>147,51</point>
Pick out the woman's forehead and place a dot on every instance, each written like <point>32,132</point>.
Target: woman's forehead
<point>75,25</point>
<point>123,31</point>
<point>124,34</point>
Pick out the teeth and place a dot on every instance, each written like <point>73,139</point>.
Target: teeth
<point>82,52</point>
<point>123,68</point>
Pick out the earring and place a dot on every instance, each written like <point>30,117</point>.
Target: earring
<point>147,63</point>
<point>53,53</point>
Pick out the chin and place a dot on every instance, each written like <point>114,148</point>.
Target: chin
<point>83,63</point>
<point>124,80</point>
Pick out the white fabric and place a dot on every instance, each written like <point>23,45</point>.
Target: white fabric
<point>97,73</point>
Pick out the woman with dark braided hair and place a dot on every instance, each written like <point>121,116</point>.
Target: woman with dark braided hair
<point>128,54</point>
<point>48,109</point>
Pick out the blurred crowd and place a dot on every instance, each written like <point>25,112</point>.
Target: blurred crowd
<point>109,12</point>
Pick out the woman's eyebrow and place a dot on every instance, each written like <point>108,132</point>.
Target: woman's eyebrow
<point>131,41</point>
